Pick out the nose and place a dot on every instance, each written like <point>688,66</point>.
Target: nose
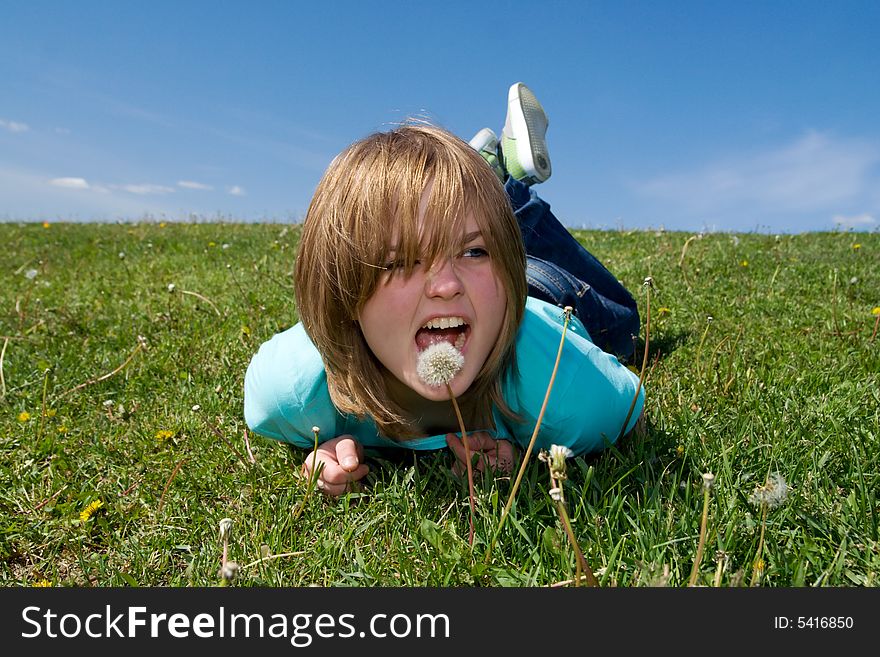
<point>443,281</point>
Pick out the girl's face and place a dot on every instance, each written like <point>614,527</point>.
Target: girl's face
<point>459,300</point>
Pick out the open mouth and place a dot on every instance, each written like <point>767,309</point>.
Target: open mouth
<point>453,330</point>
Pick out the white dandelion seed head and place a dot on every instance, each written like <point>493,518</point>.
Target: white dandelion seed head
<point>230,571</point>
<point>225,527</point>
<point>556,458</point>
<point>556,494</point>
<point>30,274</point>
<point>560,452</point>
<point>439,363</point>
<point>772,494</point>
<point>708,480</point>
<point>171,287</point>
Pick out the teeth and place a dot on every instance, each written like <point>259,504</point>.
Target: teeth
<point>444,323</point>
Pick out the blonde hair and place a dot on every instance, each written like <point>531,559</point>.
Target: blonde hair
<point>371,191</point>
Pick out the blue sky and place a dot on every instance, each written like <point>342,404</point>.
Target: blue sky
<point>728,116</point>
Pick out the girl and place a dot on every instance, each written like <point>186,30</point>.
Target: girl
<point>410,240</point>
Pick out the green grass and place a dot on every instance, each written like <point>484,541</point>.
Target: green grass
<point>783,379</point>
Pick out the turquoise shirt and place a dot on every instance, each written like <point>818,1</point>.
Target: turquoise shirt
<point>285,391</point>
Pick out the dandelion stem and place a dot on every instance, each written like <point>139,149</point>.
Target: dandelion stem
<point>758,565</point>
<point>684,249</point>
<point>140,345</point>
<point>834,305</point>
<point>702,542</point>
<point>168,484</point>
<point>203,298</point>
<point>274,556</point>
<point>43,408</point>
<point>580,561</point>
<point>873,335</point>
<point>247,444</point>
<point>3,355</point>
<point>467,455</point>
<point>47,500</point>
<point>220,435</point>
<point>700,348</point>
<point>522,467</point>
<point>314,473</point>
<point>718,571</point>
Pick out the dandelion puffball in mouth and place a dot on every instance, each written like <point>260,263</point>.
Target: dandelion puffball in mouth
<point>439,363</point>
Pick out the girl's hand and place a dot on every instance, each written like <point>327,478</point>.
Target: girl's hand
<point>497,455</point>
<point>342,460</point>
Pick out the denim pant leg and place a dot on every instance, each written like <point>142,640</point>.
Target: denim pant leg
<point>561,271</point>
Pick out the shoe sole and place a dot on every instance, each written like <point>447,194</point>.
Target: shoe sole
<point>527,117</point>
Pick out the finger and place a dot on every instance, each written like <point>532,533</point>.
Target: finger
<point>481,441</point>
<point>458,448</point>
<point>456,445</point>
<point>349,453</point>
<point>334,473</point>
<point>317,460</point>
<point>335,490</point>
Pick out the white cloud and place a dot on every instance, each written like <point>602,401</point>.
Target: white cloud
<point>70,183</point>
<point>14,126</point>
<point>235,190</point>
<point>863,220</point>
<point>145,189</point>
<point>189,184</point>
<point>816,172</point>
<point>33,194</point>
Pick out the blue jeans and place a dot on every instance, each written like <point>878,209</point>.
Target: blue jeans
<point>560,270</point>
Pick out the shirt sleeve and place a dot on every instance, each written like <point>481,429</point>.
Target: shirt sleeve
<point>285,391</point>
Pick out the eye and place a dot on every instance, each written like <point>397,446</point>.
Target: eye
<point>475,252</point>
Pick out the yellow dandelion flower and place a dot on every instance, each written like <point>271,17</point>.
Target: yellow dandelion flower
<point>161,224</point>
<point>51,412</point>
<point>24,416</point>
<point>759,565</point>
<point>744,263</point>
<point>41,584</point>
<point>164,434</point>
<point>212,243</point>
<point>679,450</point>
<point>246,330</point>
<point>875,310</point>
<point>45,224</point>
<point>90,510</point>
<point>62,429</point>
<point>856,246</point>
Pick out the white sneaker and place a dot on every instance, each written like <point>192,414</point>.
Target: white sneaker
<point>485,142</point>
<point>522,141</point>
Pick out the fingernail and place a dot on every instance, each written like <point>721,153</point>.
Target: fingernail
<point>349,462</point>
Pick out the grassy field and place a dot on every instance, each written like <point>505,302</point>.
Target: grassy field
<point>123,443</point>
